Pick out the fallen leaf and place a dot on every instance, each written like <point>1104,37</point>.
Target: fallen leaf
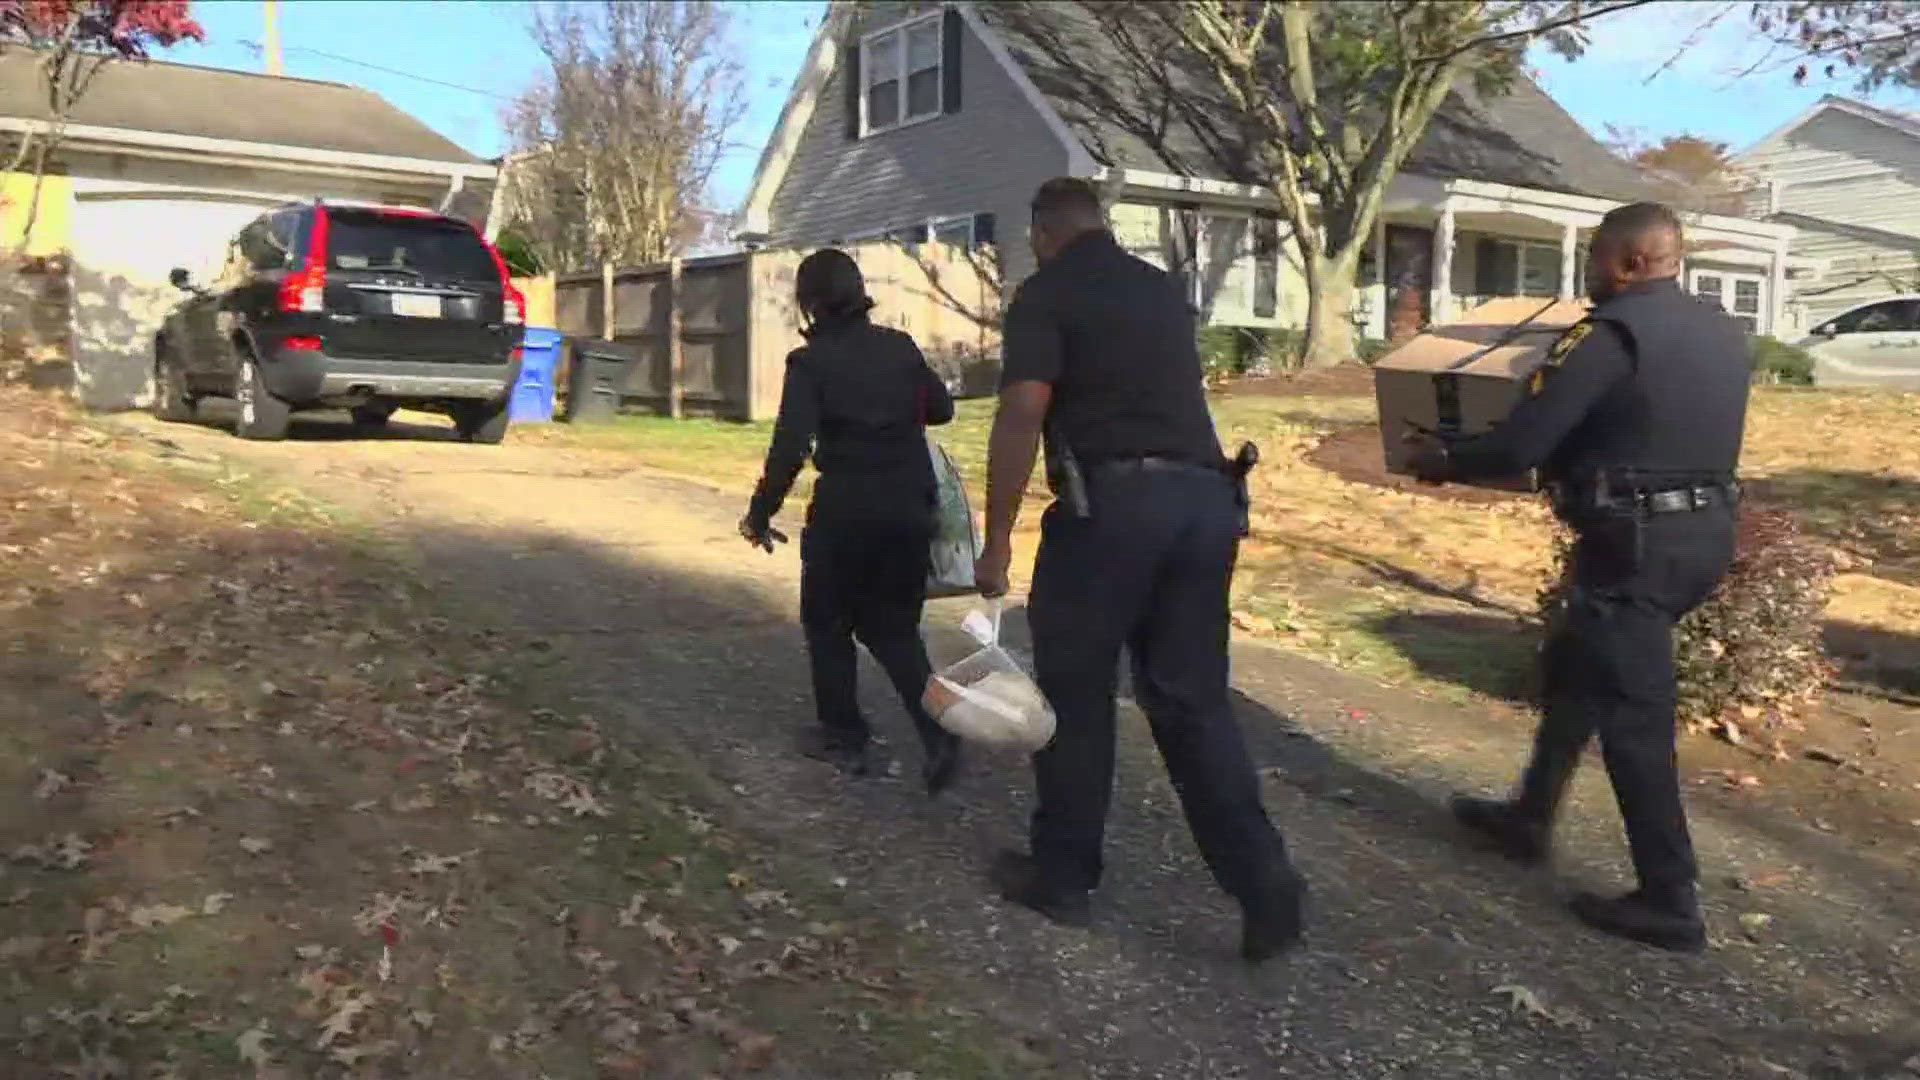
<point>215,903</point>
<point>340,1024</point>
<point>158,915</point>
<point>630,915</point>
<point>1755,923</point>
<point>51,784</point>
<point>254,845</point>
<point>22,947</point>
<point>252,1047</point>
<point>1521,999</point>
<point>660,931</point>
<point>728,945</point>
<point>434,864</point>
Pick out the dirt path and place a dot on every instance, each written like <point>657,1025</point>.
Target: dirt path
<point>1426,959</point>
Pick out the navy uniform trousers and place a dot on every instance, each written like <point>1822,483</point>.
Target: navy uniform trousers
<point>1149,571</point>
<point>1608,669</point>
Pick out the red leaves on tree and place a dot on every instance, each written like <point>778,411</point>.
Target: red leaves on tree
<point>126,27</point>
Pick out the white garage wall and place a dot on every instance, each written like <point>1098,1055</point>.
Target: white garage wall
<point>136,219</point>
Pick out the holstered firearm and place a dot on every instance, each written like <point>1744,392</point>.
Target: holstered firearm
<point>1065,477</point>
<point>1242,464</point>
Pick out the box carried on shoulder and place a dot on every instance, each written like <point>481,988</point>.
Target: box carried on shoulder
<point>1466,376</point>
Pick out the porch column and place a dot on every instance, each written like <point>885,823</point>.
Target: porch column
<point>1440,299</point>
<point>1569,247</point>
<point>1377,310</point>
<point>1776,290</point>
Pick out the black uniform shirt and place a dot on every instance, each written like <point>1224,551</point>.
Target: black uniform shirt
<point>1114,336</point>
<point>856,398</point>
<point>1596,367</point>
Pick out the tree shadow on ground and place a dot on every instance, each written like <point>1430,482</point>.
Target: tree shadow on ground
<point>1487,654</point>
<point>1870,515</point>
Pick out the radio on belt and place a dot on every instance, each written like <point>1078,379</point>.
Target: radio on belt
<point>1466,376</point>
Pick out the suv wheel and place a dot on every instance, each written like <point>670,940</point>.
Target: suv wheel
<point>481,421</point>
<point>261,415</point>
<point>171,400</point>
<point>372,416</point>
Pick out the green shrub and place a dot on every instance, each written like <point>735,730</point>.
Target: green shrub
<point>1750,658</point>
<point>1219,351</point>
<point>1775,361</point>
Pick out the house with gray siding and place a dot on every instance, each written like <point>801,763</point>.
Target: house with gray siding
<point>926,120</point>
<point>1846,176</point>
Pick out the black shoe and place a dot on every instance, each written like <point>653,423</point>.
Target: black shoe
<point>1017,877</point>
<point>1520,839</point>
<point>943,763</point>
<point>1272,925</point>
<point>1676,928</point>
<point>851,758</point>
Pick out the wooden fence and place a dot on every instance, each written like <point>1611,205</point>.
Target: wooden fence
<point>712,335</point>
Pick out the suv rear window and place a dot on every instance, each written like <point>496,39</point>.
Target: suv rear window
<point>431,247</point>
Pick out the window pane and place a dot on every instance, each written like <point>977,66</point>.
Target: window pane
<point>923,46</point>
<point>1708,286</point>
<point>1266,267</point>
<point>1746,297</point>
<point>923,93</point>
<point>957,232</point>
<point>883,59</point>
<point>883,105</point>
<point>1539,271</point>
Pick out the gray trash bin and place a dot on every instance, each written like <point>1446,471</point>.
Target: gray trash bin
<point>599,375</point>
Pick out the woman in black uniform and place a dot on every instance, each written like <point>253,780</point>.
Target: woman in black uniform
<point>858,397</point>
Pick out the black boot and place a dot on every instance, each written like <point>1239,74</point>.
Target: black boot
<point>848,755</point>
<point>1272,924</point>
<point>943,762</point>
<point>1018,879</point>
<point>1674,925</point>
<point>1519,838</point>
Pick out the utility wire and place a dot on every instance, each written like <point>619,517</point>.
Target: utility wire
<point>257,49</point>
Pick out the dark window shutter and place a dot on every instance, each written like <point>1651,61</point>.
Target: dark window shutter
<point>850,72</point>
<point>950,61</point>
<point>983,230</point>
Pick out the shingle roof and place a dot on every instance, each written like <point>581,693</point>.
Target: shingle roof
<point>179,99</point>
<point>1132,108</point>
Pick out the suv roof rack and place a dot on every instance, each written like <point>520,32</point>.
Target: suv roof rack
<point>362,204</point>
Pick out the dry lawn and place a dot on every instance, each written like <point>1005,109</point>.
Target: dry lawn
<point>268,809</point>
<point>1406,585</point>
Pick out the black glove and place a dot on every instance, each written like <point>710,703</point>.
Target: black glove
<point>761,534</point>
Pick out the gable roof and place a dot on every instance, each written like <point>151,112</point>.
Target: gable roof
<point>211,103</point>
<point>1903,123</point>
<point>1132,109</point>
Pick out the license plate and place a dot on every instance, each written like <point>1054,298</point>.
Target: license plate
<point>416,305</point>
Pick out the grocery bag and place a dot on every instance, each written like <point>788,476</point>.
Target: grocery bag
<point>956,539</point>
<point>986,698</point>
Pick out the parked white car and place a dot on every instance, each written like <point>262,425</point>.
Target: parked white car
<point>1875,344</point>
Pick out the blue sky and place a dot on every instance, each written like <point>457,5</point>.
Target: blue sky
<point>455,63</point>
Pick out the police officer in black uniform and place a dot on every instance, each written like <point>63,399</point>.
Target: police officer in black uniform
<point>1637,430</point>
<point>1137,550</point>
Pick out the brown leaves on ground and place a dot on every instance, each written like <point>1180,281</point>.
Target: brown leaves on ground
<point>265,813</point>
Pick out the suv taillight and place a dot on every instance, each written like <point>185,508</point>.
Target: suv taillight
<point>513,303</point>
<point>305,289</point>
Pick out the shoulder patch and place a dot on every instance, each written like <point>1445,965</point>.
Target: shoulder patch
<point>1575,335</point>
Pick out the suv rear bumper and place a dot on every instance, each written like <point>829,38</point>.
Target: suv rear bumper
<point>303,376</point>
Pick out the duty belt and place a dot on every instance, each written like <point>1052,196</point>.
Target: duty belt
<point>1662,501</point>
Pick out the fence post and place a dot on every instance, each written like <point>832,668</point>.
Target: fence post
<point>606,301</point>
<point>675,354</point>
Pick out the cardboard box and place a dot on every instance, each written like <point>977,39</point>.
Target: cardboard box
<point>1466,376</point>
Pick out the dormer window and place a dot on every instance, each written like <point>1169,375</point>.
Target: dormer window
<point>903,74</point>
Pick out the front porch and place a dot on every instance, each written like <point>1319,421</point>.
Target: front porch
<point>1442,247</point>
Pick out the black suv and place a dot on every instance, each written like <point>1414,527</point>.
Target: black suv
<point>324,305</point>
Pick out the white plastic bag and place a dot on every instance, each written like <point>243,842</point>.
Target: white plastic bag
<point>956,538</point>
<point>987,698</point>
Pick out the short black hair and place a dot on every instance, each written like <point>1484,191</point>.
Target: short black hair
<point>1636,220</point>
<point>1068,200</point>
<point>829,285</point>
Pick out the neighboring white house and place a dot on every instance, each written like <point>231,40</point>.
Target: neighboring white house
<point>161,164</point>
<point>1846,176</point>
<point>937,120</point>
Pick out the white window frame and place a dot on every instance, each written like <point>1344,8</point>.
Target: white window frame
<point>902,30</point>
<point>1726,298</point>
<point>1243,306</point>
<point>933,225</point>
<point>1525,251</point>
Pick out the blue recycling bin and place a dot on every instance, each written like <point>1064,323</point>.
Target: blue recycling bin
<point>532,401</point>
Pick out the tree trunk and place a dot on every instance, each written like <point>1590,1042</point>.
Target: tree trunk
<point>1330,337</point>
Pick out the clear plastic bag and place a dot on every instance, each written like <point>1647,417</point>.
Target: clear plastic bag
<point>987,698</point>
<point>956,538</point>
